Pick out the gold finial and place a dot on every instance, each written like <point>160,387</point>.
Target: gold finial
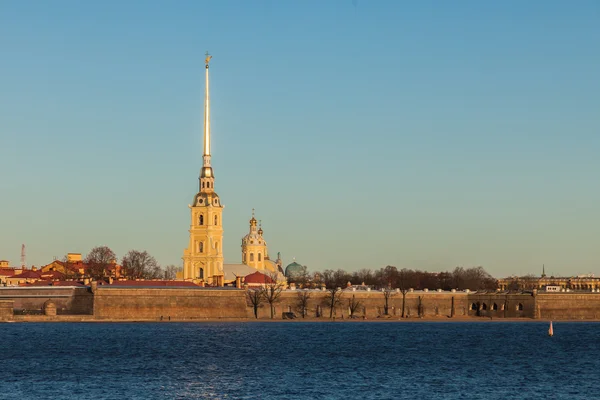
<point>208,57</point>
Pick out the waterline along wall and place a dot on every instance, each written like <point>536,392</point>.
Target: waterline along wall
<point>196,303</point>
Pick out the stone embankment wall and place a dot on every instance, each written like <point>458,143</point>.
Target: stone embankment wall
<point>501,305</point>
<point>6,309</point>
<point>31,300</point>
<point>568,305</point>
<point>175,303</point>
<point>371,304</point>
<point>184,303</point>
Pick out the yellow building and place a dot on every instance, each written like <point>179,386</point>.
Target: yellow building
<point>203,258</point>
<point>255,257</point>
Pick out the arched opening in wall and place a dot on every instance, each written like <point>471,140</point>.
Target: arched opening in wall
<point>501,307</point>
<point>217,247</point>
<point>520,307</point>
<point>201,273</point>
<point>216,220</point>
<point>484,306</point>
<point>202,185</point>
<point>201,247</point>
<point>494,307</point>
<point>474,307</point>
<point>251,257</point>
<point>243,258</point>
<point>259,257</point>
<point>201,219</point>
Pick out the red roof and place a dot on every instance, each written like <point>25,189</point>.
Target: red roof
<point>55,283</point>
<point>153,283</point>
<point>259,278</point>
<point>28,275</point>
<point>52,275</point>
<point>7,271</point>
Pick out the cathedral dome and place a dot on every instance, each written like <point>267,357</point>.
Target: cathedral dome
<point>206,199</point>
<point>293,270</point>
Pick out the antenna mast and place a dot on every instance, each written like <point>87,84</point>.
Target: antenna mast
<point>23,256</point>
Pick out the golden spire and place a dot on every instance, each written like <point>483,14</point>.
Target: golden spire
<point>206,174</point>
<point>207,114</point>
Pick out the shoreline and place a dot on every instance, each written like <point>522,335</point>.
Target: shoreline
<point>71,319</point>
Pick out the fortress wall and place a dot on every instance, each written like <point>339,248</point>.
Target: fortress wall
<point>177,303</point>
<point>507,305</point>
<point>68,300</point>
<point>371,304</point>
<point>569,305</point>
<point>6,309</point>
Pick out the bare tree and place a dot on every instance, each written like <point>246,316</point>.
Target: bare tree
<point>353,306</point>
<point>303,298</point>
<point>171,272</point>
<point>405,280</point>
<point>333,298</point>
<point>141,265</point>
<point>363,277</point>
<point>98,260</point>
<point>271,291</point>
<point>387,293</point>
<point>255,298</point>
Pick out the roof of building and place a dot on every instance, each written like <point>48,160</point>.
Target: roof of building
<point>7,271</point>
<point>233,270</point>
<point>153,283</point>
<point>52,275</point>
<point>293,268</point>
<point>258,278</point>
<point>55,283</point>
<point>28,275</point>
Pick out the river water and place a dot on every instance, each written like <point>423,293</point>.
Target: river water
<point>296,360</point>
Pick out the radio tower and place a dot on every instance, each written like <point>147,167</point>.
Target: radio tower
<point>23,256</point>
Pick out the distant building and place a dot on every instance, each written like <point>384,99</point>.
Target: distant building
<point>582,282</point>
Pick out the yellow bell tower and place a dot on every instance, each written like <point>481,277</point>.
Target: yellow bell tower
<point>203,259</point>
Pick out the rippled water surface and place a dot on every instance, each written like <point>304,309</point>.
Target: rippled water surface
<point>414,360</point>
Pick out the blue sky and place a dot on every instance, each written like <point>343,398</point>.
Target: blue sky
<point>365,133</point>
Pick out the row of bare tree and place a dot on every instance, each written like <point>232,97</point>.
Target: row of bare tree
<point>391,277</point>
<point>100,262</point>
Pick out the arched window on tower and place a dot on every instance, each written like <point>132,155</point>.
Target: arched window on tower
<point>202,185</point>
<point>201,273</point>
<point>201,219</point>
<point>259,257</point>
<point>201,247</point>
<point>251,257</point>
<point>216,220</point>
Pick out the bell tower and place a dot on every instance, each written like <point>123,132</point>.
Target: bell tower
<point>203,259</point>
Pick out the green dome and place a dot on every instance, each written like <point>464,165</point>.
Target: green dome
<point>293,270</point>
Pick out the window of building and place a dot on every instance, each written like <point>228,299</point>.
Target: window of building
<point>494,307</point>
<point>201,273</point>
<point>259,257</point>
<point>474,307</point>
<point>484,306</point>
<point>201,247</point>
<point>201,221</point>
<point>216,220</point>
<point>520,307</point>
<point>251,257</point>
